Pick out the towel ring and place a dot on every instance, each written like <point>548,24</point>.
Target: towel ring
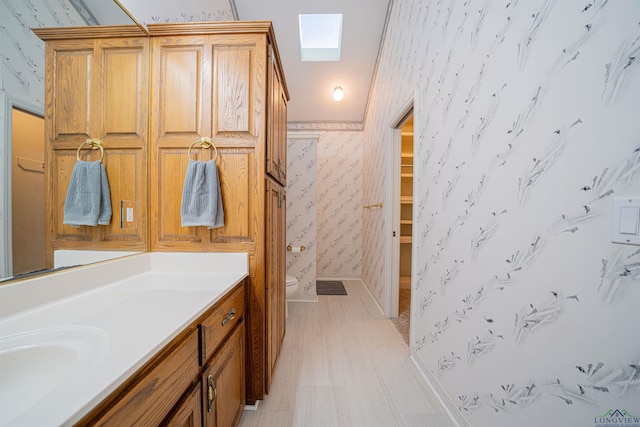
<point>205,142</point>
<point>95,144</point>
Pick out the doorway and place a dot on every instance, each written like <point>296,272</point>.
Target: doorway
<point>401,177</point>
<point>27,192</point>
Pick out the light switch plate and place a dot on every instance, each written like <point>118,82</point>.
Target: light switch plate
<point>625,224</point>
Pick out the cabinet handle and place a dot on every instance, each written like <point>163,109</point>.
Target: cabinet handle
<point>229,317</point>
<point>212,393</point>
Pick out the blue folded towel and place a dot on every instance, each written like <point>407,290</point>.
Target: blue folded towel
<point>201,196</point>
<point>88,200</point>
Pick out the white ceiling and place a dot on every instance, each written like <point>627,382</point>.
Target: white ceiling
<point>310,83</point>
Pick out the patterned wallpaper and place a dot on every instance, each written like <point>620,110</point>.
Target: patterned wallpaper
<point>302,218</point>
<point>339,205</point>
<point>526,113</point>
<point>166,11</point>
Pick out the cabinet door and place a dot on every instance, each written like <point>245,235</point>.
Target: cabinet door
<point>282,124</point>
<point>223,386</point>
<point>188,413</point>
<point>98,88</point>
<point>275,275</point>
<point>277,124</point>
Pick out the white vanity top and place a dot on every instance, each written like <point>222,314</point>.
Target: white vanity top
<point>83,332</point>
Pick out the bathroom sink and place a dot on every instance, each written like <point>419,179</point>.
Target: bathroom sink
<point>37,364</point>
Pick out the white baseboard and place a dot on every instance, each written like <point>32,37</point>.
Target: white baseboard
<point>253,407</point>
<point>445,400</point>
<point>372,298</point>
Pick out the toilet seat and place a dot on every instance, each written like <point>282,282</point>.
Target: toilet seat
<point>291,281</point>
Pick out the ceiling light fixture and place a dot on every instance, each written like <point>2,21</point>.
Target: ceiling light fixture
<point>338,93</point>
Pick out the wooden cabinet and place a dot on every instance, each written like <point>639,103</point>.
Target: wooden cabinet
<point>207,86</point>
<point>222,81</point>
<point>175,387</point>
<point>277,122</point>
<point>275,274</point>
<point>223,391</point>
<point>96,86</point>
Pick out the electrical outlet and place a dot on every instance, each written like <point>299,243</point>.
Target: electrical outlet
<point>127,214</point>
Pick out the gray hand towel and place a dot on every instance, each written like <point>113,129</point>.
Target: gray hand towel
<point>88,200</point>
<point>201,196</point>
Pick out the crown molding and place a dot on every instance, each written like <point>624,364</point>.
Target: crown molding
<point>325,126</point>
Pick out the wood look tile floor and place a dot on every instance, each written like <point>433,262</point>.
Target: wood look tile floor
<point>344,364</point>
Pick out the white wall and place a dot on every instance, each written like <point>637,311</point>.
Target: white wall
<point>526,129</point>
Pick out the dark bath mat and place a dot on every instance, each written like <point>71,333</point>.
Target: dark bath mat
<point>330,287</point>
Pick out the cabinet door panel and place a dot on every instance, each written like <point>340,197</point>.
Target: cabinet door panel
<point>172,168</point>
<point>127,182</point>
<point>71,71</point>
<point>237,179</point>
<point>180,82</point>
<point>124,93</point>
<point>232,90</point>
<point>238,87</point>
<point>62,162</point>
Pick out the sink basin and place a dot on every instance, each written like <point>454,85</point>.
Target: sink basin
<point>36,364</point>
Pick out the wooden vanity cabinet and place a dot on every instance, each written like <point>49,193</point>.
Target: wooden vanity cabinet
<point>175,386</point>
<point>96,86</point>
<point>224,81</point>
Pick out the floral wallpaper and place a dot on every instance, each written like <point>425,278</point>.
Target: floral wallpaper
<point>525,115</point>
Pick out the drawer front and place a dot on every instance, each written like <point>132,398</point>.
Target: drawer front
<point>220,321</point>
<point>151,393</point>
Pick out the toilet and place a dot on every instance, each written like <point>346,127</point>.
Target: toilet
<point>292,288</point>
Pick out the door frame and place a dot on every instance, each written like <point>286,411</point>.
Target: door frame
<point>392,210</point>
<point>8,103</point>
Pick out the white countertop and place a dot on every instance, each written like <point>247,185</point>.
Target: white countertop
<point>122,312</point>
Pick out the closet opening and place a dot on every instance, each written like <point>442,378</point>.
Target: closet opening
<point>400,173</point>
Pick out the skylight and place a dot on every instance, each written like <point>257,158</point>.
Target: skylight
<point>320,36</point>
